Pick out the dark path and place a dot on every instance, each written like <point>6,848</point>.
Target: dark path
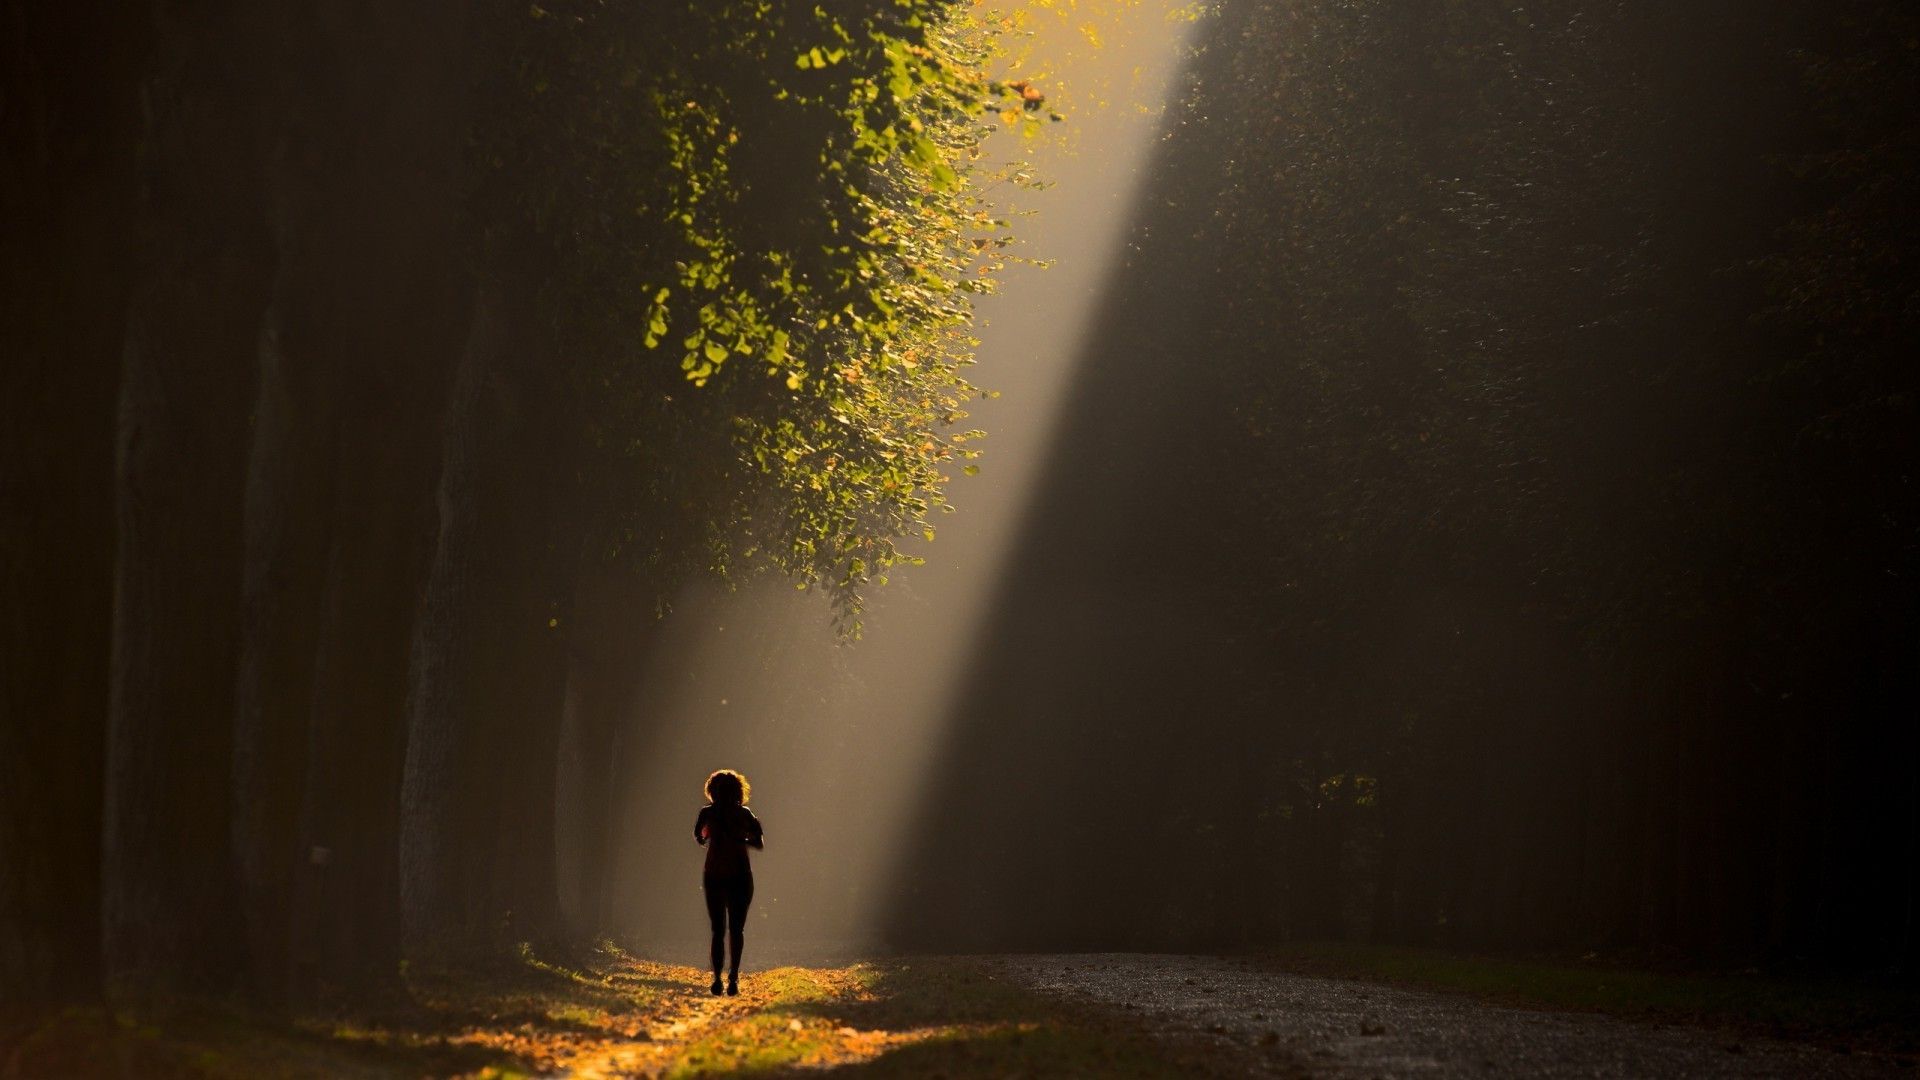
<point>1294,1025</point>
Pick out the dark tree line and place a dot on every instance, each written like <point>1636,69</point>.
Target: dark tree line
<point>371,374</point>
<point>1486,519</point>
<point>1490,517</point>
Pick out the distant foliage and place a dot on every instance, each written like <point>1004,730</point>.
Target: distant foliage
<point>1572,350</point>
<point>1503,454</point>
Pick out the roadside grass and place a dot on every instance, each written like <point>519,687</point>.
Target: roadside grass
<point>1882,1015</point>
<point>618,1015</point>
<point>516,1018</point>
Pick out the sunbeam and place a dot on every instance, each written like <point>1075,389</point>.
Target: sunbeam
<point>964,538</point>
<point>837,739</point>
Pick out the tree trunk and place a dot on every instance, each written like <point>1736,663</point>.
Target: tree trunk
<point>288,512</point>
<point>346,905</point>
<point>600,694</point>
<point>366,323</point>
<point>168,902</point>
<point>434,860</point>
<point>525,880</point>
<point>490,660</point>
<point>68,139</point>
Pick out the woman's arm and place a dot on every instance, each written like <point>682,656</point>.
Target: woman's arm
<point>756,836</point>
<point>700,829</point>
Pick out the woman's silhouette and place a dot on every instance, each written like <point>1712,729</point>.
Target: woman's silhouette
<point>728,828</point>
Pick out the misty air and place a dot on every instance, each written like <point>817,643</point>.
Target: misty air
<point>959,538</point>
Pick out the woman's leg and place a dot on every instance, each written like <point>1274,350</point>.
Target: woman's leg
<point>716,892</point>
<point>737,903</point>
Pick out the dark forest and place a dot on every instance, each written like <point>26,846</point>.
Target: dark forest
<point>1478,518</point>
<point>1501,443</point>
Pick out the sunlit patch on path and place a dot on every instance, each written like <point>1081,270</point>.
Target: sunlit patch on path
<point>615,1015</point>
<point>782,1018</point>
<point>901,1018</point>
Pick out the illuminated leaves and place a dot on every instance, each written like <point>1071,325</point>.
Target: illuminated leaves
<point>765,234</point>
<point>819,58</point>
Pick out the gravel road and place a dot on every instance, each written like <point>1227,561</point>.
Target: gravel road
<point>1301,1026</point>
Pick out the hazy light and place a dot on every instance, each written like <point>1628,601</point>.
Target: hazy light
<point>838,740</point>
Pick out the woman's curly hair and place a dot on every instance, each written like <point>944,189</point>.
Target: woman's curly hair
<point>727,786</point>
